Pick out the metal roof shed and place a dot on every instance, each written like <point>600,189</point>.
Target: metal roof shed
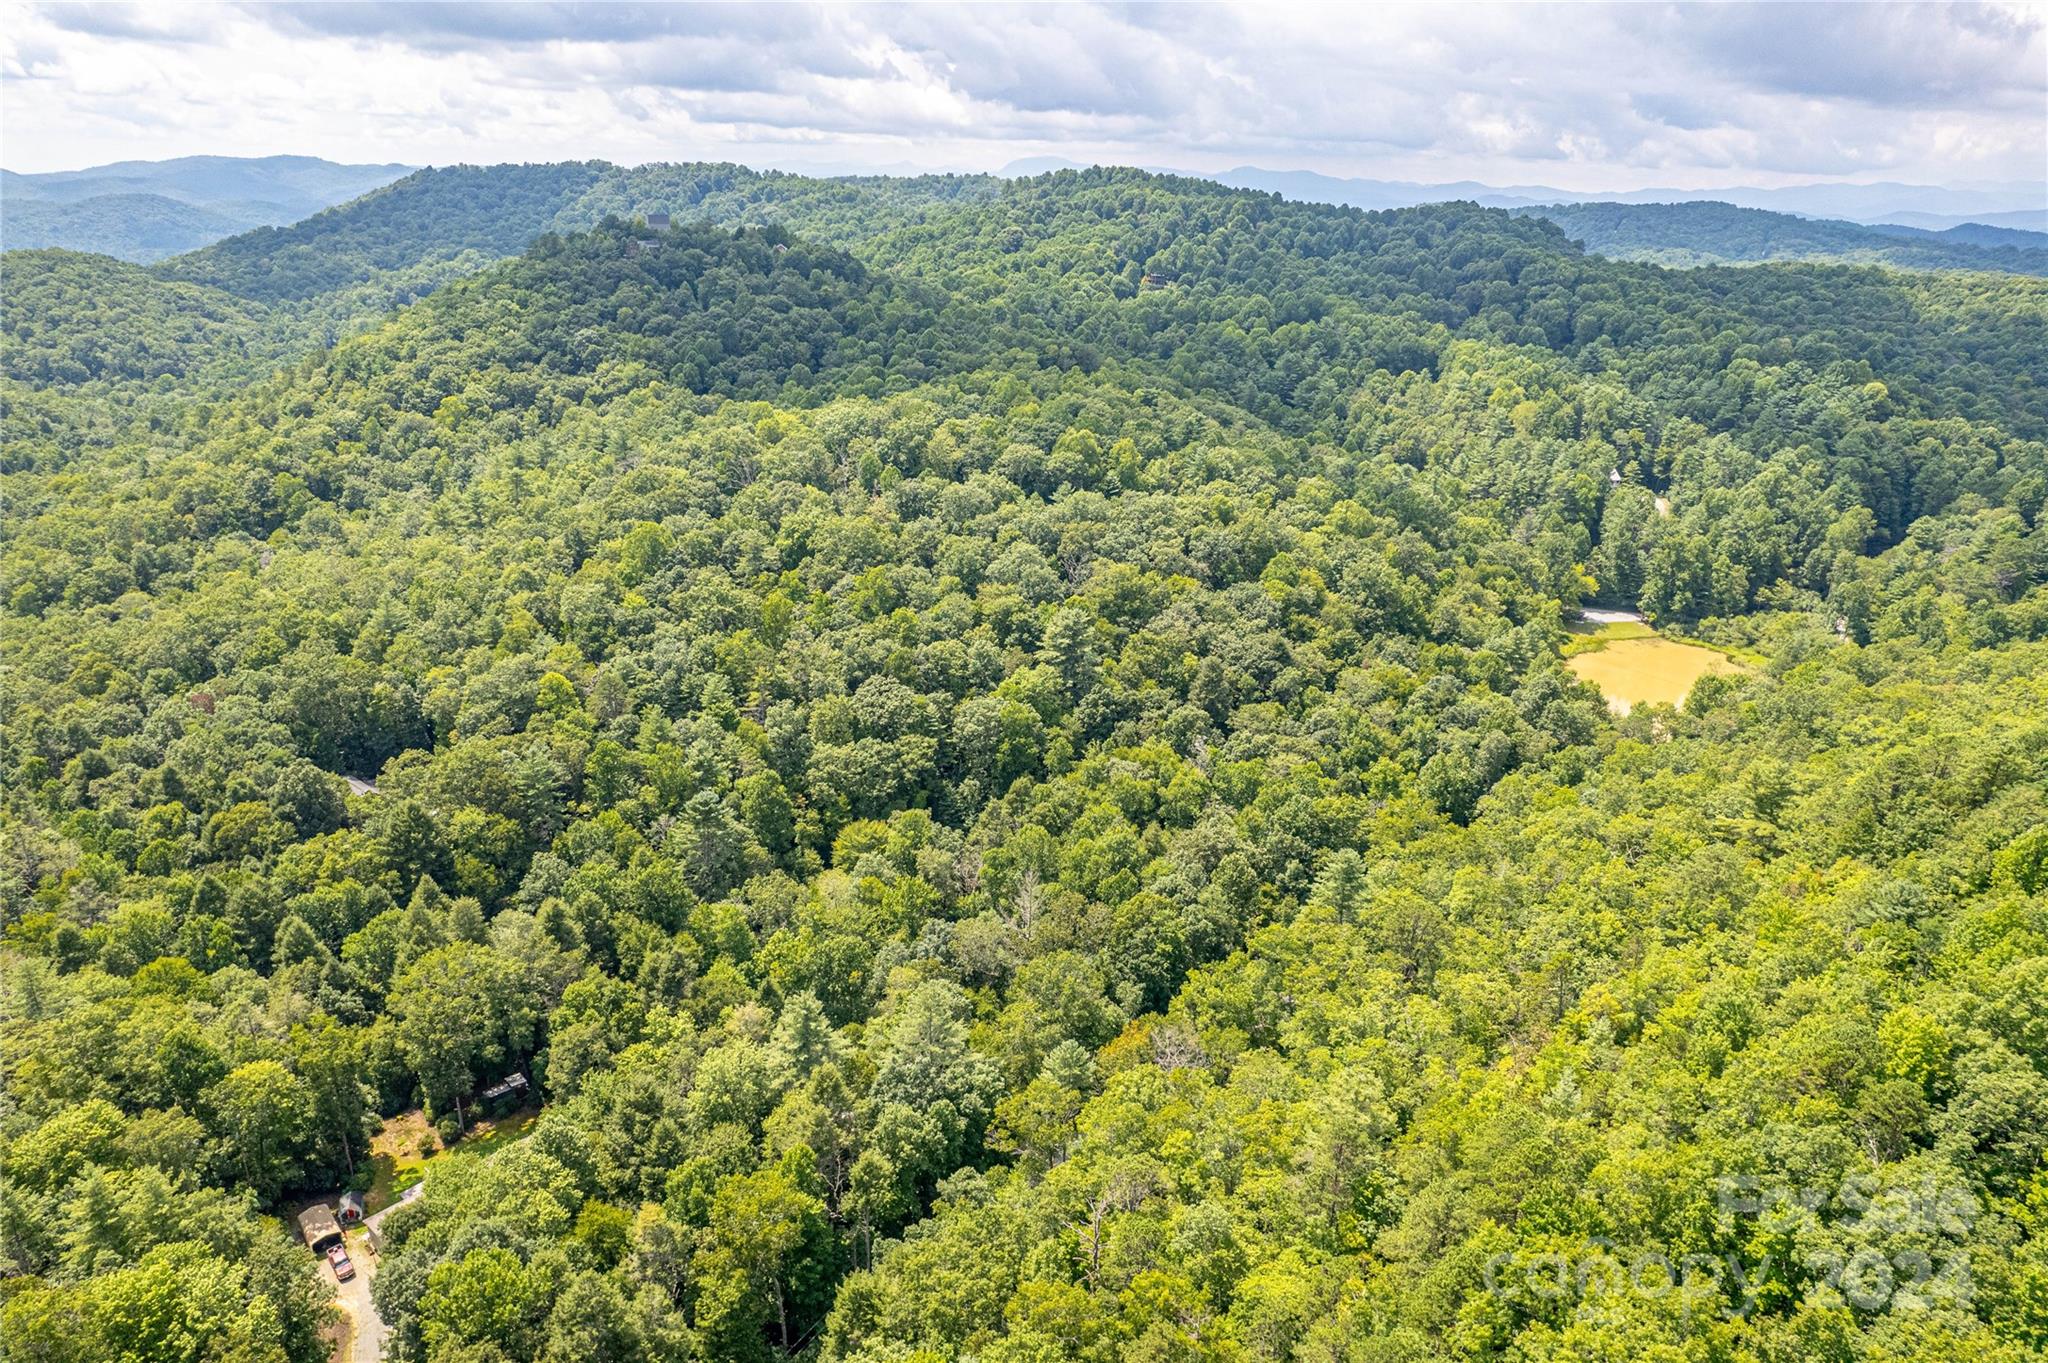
<point>318,1227</point>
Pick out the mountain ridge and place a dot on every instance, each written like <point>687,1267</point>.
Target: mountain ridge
<point>143,211</point>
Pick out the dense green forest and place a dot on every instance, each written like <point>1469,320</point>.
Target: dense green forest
<point>1002,756</point>
<point>1708,233</point>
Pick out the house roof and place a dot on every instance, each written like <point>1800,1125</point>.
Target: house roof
<point>511,1083</point>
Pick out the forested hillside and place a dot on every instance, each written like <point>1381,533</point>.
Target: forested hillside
<point>1709,233</point>
<point>1003,757</point>
<point>138,227</point>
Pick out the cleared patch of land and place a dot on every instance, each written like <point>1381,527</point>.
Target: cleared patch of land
<point>1633,668</point>
<point>407,1143</point>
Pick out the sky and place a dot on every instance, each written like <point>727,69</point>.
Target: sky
<point>1585,97</point>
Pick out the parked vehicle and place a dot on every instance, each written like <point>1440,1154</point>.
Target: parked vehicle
<point>344,1267</point>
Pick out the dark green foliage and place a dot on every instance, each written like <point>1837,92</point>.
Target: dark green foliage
<point>428,215</point>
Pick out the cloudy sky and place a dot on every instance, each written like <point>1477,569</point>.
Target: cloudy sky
<point>1585,97</point>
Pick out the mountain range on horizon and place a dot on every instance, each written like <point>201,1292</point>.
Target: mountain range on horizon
<point>1882,203</point>
<point>144,211</point>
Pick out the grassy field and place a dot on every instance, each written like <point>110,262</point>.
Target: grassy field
<point>1642,668</point>
<point>407,1144</point>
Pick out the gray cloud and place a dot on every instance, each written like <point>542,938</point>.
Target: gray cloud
<point>161,24</point>
<point>1894,56</point>
<point>1628,90</point>
<point>443,25</point>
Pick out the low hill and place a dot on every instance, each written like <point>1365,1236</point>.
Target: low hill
<point>703,309</point>
<point>430,214</point>
<point>442,213</point>
<point>1970,234</point>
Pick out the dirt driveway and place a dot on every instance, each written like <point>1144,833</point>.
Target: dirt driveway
<point>365,1326</point>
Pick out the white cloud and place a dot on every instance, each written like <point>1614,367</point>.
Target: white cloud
<point>1586,96</point>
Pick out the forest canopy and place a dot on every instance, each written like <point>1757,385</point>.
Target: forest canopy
<point>1000,756</point>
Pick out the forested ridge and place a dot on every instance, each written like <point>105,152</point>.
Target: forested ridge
<point>1002,756</point>
<point>1710,233</point>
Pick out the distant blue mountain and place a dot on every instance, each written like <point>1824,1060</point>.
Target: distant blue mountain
<point>1709,233</point>
<point>1971,234</point>
<point>1929,206</point>
<point>146,210</point>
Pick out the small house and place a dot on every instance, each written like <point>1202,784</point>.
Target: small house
<point>658,221</point>
<point>350,1212</point>
<point>504,1096</point>
<point>318,1228</point>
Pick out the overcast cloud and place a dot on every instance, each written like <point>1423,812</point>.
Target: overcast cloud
<point>1586,97</point>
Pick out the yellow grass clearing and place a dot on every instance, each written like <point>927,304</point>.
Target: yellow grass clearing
<point>1648,671</point>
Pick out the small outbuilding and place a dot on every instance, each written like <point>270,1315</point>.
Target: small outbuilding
<point>318,1228</point>
<point>350,1212</point>
<point>658,221</point>
<point>505,1095</point>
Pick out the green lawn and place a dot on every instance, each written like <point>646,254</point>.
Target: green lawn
<point>407,1145</point>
